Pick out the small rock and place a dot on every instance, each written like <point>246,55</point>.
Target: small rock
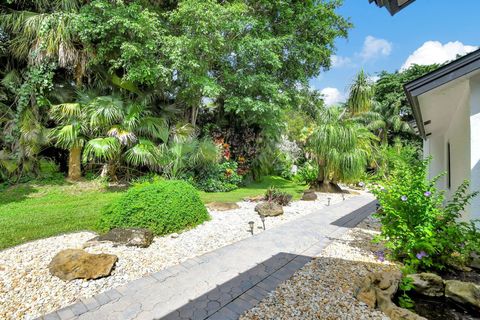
<point>463,292</point>
<point>474,261</point>
<point>222,206</point>
<point>428,284</point>
<point>174,235</point>
<point>72,264</point>
<point>135,237</point>
<point>309,195</point>
<point>269,209</point>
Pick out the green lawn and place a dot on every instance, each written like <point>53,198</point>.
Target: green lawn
<point>255,189</point>
<point>32,211</point>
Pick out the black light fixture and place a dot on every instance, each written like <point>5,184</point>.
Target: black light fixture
<point>251,223</point>
<point>262,217</point>
<point>343,196</point>
<point>329,201</point>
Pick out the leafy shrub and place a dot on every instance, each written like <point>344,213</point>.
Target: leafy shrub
<point>280,197</point>
<point>418,229</point>
<point>308,173</point>
<point>222,177</point>
<point>163,206</point>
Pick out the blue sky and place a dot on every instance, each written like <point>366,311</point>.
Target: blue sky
<point>427,31</point>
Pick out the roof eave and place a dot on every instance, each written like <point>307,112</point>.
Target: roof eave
<point>445,74</point>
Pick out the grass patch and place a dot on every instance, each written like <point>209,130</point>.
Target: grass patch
<point>31,211</point>
<point>255,189</point>
<point>38,210</point>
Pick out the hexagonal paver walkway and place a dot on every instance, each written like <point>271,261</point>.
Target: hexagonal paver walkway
<point>226,282</point>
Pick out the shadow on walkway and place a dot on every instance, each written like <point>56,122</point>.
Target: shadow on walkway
<point>234,297</point>
<point>352,219</point>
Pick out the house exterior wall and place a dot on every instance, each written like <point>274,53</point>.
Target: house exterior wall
<point>464,151</point>
<point>474,119</point>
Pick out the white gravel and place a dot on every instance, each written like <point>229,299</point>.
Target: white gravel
<point>27,290</point>
<point>324,288</point>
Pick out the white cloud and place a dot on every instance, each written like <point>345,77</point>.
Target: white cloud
<point>332,96</point>
<point>435,52</point>
<point>339,61</point>
<point>374,47</point>
<point>374,78</point>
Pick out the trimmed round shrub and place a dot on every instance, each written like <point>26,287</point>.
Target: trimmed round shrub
<point>163,207</point>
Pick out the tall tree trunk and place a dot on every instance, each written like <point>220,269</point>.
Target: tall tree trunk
<point>74,163</point>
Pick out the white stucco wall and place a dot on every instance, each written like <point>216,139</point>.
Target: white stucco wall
<point>434,146</point>
<point>458,135</point>
<point>474,118</point>
<point>460,116</point>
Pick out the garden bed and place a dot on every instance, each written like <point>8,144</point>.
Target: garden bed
<point>325,287</point>
<point>28,290</point>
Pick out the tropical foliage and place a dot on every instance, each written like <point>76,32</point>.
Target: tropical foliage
<point>418,228</point>
<point>340,148</point>
<point>122,88</point>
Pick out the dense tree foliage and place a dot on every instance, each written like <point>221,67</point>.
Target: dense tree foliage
<point>104,80</point>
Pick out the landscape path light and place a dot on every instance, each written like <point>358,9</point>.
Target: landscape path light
<point>329,198</point>
<point>251,223</point>
<point>262,217</point>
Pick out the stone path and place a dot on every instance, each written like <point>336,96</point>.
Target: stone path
<point>224,283</point>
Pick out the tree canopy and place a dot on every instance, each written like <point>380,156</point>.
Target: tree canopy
<point>239,63</point>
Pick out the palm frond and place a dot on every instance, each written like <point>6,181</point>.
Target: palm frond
<point>144,153</point>
<point>102,149</point>
<point>105,111</point>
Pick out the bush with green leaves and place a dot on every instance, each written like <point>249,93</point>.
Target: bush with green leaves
<point>162,206</point>
<point>221,177</point>
<point>417,227</point>
<point>307,173</point>
<point>275,195</point>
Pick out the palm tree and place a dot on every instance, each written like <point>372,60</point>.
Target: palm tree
<point>71,134</point>
<point>340,148</point>
<point>384,120</point>
<point>361,94</point>
<point>123,132</point>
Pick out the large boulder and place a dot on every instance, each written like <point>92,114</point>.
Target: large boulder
<point>72,264</point>
<point>309,195</point>
<point>134,237</point>
<point>222,206</point>
<point>378,289</point>
<point>269,209</point>
<point>463,292</point>
<point>428,284</point>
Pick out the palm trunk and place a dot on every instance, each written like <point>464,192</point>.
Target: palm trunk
<point>109,170</point>
<point>322,184</point>
<point>74,163</point>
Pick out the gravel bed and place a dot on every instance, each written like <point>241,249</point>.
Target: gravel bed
<point>324,288</point>
<point>27,290</point>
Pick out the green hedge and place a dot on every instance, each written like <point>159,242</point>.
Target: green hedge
<point>163,206</point>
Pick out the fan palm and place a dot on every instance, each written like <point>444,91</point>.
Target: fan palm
<point>45,31</point>
<point>124,132</point>
<point>71,133</point>
<point>340,148</point>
